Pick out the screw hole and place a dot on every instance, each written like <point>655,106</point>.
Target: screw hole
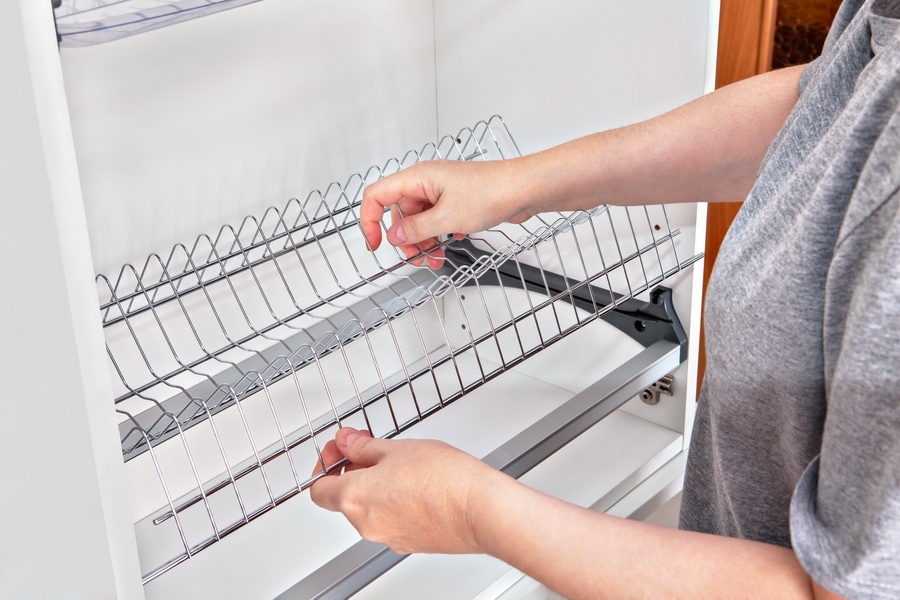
<point>640,326</point>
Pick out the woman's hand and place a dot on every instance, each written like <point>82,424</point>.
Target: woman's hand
<point>425,496</point>
<point>433,198</point>
<point>411,495</point>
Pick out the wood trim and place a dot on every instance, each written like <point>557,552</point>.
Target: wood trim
<point>766,35</point>
<point>746,37</point>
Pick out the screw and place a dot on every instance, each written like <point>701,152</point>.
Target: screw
<point>648,397</point>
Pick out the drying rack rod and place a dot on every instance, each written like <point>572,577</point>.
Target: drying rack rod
<point>645,322</point>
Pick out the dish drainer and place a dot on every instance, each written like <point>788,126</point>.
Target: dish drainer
<point>293,324</point>
<point>206,348</point>
<point>88,22</point>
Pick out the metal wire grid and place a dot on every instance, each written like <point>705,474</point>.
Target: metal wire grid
<point>262,319</point>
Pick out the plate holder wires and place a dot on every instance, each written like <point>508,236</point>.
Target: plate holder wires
<point>236,357</point>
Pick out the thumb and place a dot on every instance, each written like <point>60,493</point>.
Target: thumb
<point>418,227</point>
<point>359,448</point>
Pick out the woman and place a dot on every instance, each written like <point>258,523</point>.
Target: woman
<point>793,481</point>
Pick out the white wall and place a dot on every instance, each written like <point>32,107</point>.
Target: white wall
<point>559,70</point>
<point>186,128</point>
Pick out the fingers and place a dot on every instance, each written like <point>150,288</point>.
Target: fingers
<point>372,232</point>
<point>330,456</point>
<point>432,198</point>
<point>412,495</point>
<point>348,443</point>
<point>414,190</point>
<point>326,492</point>
<point>407,184</point>
<point>436,258</point>
<point>410,250</point>
<point>359,448</point>
<point>371,212</point>
<point>417,227</point>
<point>430,248</point>
<point>352,466</point>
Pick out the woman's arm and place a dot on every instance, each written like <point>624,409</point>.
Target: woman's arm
<point>708,150</point>
<point>425,496</point>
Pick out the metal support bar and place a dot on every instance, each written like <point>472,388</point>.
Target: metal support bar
<point>362,563</point>
<point>644,322</point>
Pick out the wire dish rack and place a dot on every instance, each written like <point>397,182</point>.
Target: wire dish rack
<point>236,357</point>
<point>89,22</point>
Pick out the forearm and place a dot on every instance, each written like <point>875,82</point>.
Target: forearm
<point>707,150</point>
<point>426,496</point>
<point>584,554</point>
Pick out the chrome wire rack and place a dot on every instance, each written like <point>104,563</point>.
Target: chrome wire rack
<point>237,357</point>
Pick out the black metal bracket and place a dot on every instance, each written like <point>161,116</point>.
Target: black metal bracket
<point>644,322</point>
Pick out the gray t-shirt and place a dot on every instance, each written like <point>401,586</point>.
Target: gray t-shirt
<point>797,435</point>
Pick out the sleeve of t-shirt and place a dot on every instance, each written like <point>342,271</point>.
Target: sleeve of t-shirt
<point>845,512</point>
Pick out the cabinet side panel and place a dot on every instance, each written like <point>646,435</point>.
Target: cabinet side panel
<point>64,530</point>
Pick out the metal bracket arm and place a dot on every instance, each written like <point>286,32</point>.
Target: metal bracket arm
<point>645,322</point>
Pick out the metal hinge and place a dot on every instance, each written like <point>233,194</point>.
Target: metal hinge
<point>651,394</point>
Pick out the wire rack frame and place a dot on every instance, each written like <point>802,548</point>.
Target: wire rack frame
<point>286,241</point>
<point>294,324</point>
<point>89,22</point>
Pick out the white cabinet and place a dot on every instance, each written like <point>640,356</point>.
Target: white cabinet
<point>113,152</point>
